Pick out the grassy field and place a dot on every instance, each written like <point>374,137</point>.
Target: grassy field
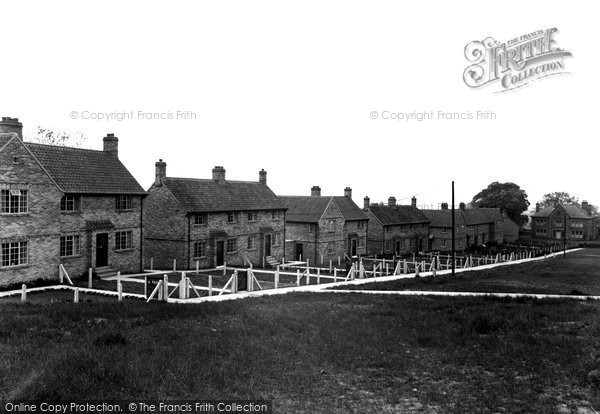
<point>578,274</point>
<point>311,353</point>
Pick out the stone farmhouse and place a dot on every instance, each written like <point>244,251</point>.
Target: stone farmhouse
<point>396,229</point>
<point>59,205</point>
<point>549,223</point>
<point>440,229</point>
<point>209,222</point>
<point>323,228</point>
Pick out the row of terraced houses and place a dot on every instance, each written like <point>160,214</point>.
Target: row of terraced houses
<point>83,209</point>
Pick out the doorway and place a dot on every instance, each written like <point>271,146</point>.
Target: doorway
<point>267,245</point>
<point>220,252</point>
<point>101,249</point>
<point>353,247</point>
<point>299,251</point>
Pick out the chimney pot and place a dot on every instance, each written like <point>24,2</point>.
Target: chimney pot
<point>315,191</point>
<point>8,125</point>
<point>111,145</point>
<point>537,207</point>
<point>413,201</point>
<point>392,201</point>
<point>348,192</point>
<point>444,206</point>
<point>160,172</point>
<point>462,206</point>
<point>367,203</point>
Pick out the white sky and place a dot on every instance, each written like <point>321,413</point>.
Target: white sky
<point>289,86</point>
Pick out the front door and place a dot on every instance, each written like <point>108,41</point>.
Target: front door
<point>101,249</point>
<point>220,252</point>
<point>353,247</point>
<point>299,251</point>
<point>398,247</point>
<point>267,245</point>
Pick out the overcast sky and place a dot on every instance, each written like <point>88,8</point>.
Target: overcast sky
<point>290,87</point>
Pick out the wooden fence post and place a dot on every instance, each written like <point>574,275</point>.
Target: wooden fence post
<point>90,278</point>
<point>119,291</point>
<point>210,285</point>
<point>174,265</point>
<point>276,280</point>
<point>165,288</point>
<point>118,279</point>
<point>224,268</point>
<point>197,266</point>
<point>152,263</point>
<point>23,293</point>
<point>335,275</point>
<point>318,275</point>
<point>297,277</point>
<point>76,295</point>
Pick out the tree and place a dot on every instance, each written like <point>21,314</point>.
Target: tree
<point>566,199</point>
<point>508,197</point>
<point>60,138</point>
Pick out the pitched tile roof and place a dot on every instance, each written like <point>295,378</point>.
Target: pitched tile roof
<point>443,218</point>
<point>207,195</point>
<point>4,138</point>
<point>309,209</point>
<point>398,214</point>
<point>85,171</point>
<point>573,211</point>
<point>474,216</point>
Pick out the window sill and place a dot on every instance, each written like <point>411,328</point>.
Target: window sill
<point>70,211</point>
<point>21,266</point>
<point>129,210</point>
<point>124,250</point>
<point>70,257</point>
<point>14,214</point>
<point>199,225</point>
<point>199,258</point>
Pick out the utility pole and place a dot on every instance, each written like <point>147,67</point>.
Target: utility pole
<point>565,236</point>
<point>453,234</point>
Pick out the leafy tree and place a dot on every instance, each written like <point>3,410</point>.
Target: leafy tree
<point>60,138</point>
<point>508,197</point>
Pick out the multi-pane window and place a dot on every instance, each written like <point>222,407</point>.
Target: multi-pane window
<point>252,215</point>
<point>123,240</point>
<point>231,217</point>
<point>70,245</point>
<point>276,239</point>
<point>444,229</point>
<point>200,249</point>
<point>330,248</point>
<point>331,226</point>
<point>443,243</point>
<point>200,219</point>
<point>124,202</point>
<point>388,246</point>
<point>13,201</point>
<point>412,242</point>
<point>231,245</point>
<point>13,254</point>
<point>274,214</point>
<point>69,203</point>
<point>252,244</point>
<point>361,224</point>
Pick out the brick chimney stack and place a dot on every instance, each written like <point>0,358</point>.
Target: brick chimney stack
<point>315,191</point>
<point>537,207</point>
<point>160,172</point>
<point>462,206</point>
<point>262,177</point>
<point>444,206</point>
<point>348,192</point>
<point>413,201</point>
<point>8,125</point>
<point>219,174</point>
<point>367,203</point>
<point>392,201</point>
<point>111,145</point>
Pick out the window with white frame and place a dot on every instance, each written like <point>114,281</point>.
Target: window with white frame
<point>123,240</point>
<point>443,243</point>
<point>388,246</point>
<point>200,249</point>
<point>252,216</point>
<point>69,203</point>
<point>124,202</point>
<point>14,201</point>
<point>231,245</point>
<point>331,226</point>
<point>13,254</point>
<point>252,242</point>
<point>444,229</point>
<point>232,217</point>
<point>70,245</point>
<point>276,239</point>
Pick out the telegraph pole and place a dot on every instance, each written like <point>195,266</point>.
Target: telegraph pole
<point>453,234</point>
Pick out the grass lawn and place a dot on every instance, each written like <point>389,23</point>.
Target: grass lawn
<point>311,352</point>
<point>578,274</point>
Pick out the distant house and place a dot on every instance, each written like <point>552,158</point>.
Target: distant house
<point>474,227</point>
<point>510,229</point>
<point>440,229</point>
<point>212,221</point>
<point>59,205</point>
<point>551,222</point>
<point>396,229</point>
<point>324,227</point>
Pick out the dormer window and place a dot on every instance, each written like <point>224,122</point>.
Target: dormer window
<point>69,203</point>
<point>124,202</point>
